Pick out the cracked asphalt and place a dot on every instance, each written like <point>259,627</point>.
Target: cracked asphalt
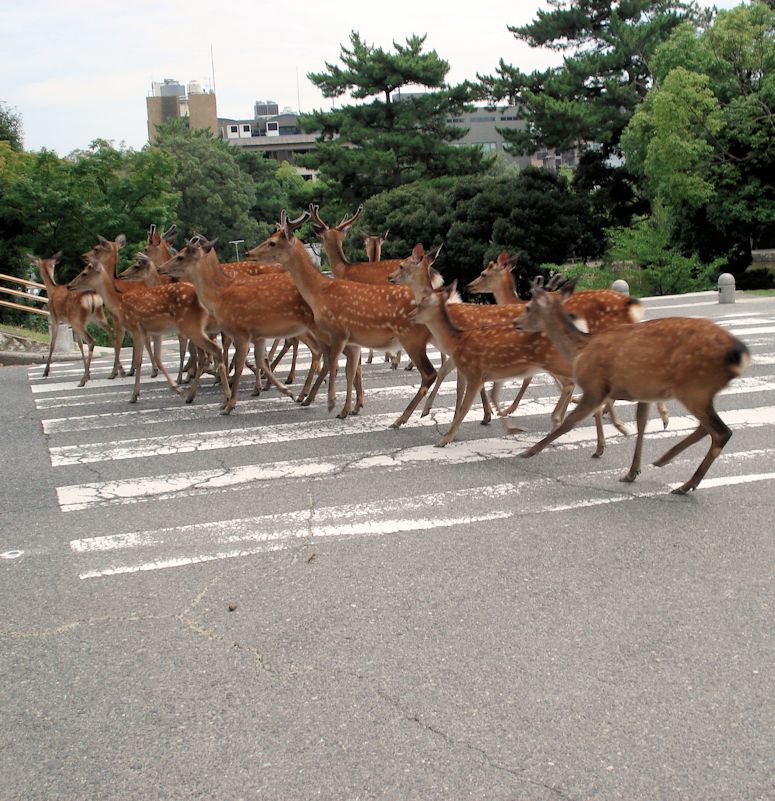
<point>607,650</point>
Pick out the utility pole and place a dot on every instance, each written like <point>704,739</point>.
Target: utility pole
<point>236,243</point>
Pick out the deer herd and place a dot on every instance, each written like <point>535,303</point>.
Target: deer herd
<point>595,341</point>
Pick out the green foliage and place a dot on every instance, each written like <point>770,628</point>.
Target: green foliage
<point>607,47</point>
<point>10,126</point>
<point>666,271</point>
<point>703,143</point>
<point>48,203</point>
<point>216,194</point>
<point>373,147</point>
<point>534,214</point>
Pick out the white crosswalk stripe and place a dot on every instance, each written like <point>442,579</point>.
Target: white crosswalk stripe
<point>139,454</point>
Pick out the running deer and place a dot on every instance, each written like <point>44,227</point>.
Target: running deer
<point>367,315</point>
<point>688,359</point>
<point>247,308</point>
<point>599,308</point>
<point>487,353</point>
<point>152,310</point>
<point>77,312</point>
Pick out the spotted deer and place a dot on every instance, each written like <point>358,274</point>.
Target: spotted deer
<point>77,311</point>
<point>146,311</point>
<point>366,315</point>
<point>688,359</point>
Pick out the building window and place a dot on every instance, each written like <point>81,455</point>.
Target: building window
<point>488,147</point>
<point>245,129</point>
<point>233,129</point>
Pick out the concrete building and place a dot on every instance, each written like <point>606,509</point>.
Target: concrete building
<point>170,99</point>
<point>273,132</point>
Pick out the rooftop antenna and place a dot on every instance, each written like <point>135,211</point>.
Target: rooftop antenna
<point>212,66</point>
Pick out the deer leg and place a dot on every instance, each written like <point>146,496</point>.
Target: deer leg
<point>85,336</point>
<point>156,360</point>
<point>616,421</point>
<point>370,358</point>
<point>587,406</point>
<point>419,356</point>
<point>137,363</point>
<point>353,356</point>
<point>464,403</point>
<point>719,435</point>
<point>53,337</point>
<point>260,352</point>
<point>335,350</point>
<point>663,414</point>
<point>112,332</point>
<point>359,398</point>
<point>641,418</point>
<point>295,355</point>
<point>182,350</point>
<point>515,403</point>
<point>443,372</point>
<point>156,340</point>
<point>242,346</point>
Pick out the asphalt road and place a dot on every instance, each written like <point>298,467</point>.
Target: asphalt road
<point>283,605</point>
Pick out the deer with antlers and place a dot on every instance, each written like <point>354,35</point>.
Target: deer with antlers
<point>77,312</point>
<point>248,308</point>
<point>365,315</point>
<point>147,311</point>
<point>689,359</point>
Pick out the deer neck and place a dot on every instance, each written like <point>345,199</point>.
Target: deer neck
<point>47,275</point>
<point>332,245</point>
<point>107,290</point>
<point>445,333</point>
<point>564,335</point>
<point>506,291</point>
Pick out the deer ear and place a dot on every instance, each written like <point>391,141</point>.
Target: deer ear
<point>209,244</point>
<point>57,257</point>
<point>33,258</point>
<point>120,240</point>
<point>418,251</point>
<point>434,254</point>
<point>102,240</point>
<point>568,288</point>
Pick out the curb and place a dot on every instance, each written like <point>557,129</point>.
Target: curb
<point>16,357</point>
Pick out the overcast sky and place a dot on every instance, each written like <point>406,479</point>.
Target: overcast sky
<point>81,70</point>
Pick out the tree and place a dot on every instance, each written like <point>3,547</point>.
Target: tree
<point>704,140</point>
<point>396,138</point>
<point>534,214</point>
<point>216,195</point>
<point>10,127</point>
<point>48,203</point>
<point>607,46</point>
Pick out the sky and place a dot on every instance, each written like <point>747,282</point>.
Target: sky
<point>81,70</point>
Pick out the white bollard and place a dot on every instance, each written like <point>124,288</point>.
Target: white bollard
<point>65,342</point>
<point>620,285</point>
<point>726,288</point>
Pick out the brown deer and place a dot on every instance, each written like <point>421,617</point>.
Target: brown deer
<point>77,312</point>
<point>152,310</point>
<point>689,359</point>
<point>248,308</point>
<point>365,272</point>
<point>599,308</point>
<point>366,315</point>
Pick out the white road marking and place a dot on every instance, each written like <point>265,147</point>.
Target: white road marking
<point>134,552</point>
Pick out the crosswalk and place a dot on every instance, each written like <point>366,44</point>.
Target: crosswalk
<point>183,485</point>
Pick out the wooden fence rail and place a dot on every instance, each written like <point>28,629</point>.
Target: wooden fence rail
<point>25,295</point>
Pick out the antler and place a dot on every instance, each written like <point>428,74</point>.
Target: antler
<point>555,281</point>
<point>347,222</point>
<point>315,216</point>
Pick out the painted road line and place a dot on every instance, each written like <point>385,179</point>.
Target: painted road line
<point>276,403</point>
<point>253,436</point>
<point>184,412</point>
<point>174,486</point>
<point>144,551</point>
